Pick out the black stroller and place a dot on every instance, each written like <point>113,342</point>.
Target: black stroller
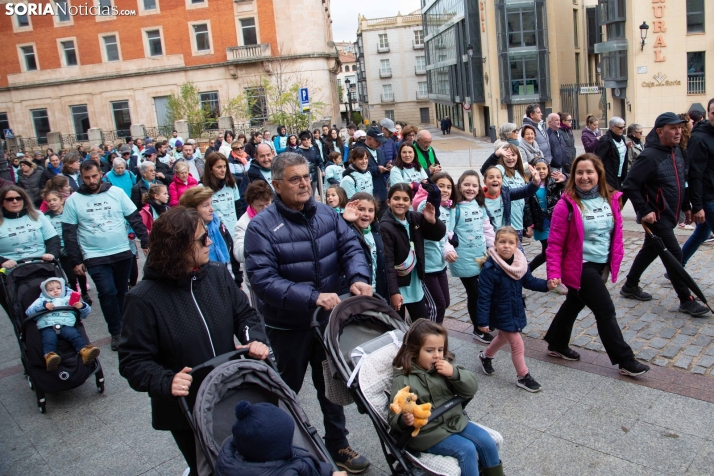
<point>361,340</point>
<point>21,286</point>
<point>228,379</point>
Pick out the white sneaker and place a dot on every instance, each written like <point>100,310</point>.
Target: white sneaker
<point>685,226</point>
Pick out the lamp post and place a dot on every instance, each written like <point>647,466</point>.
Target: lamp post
<point>643,34</point>
<point>349,100</point>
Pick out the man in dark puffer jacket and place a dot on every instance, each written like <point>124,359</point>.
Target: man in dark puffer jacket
<point>656,187</point>
<point>296,250</point>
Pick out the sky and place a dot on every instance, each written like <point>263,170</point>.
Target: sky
<point>345,12</point>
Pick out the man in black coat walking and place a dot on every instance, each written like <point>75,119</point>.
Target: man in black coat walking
<point>656,187</point>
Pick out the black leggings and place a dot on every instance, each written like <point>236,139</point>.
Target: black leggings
<point>471,287</point>
<point>186,442</point>
<point>134,275</point>
<point>72,278</point>
<point>424,309</point>
<point>540,259</point>
<point>438,286</point>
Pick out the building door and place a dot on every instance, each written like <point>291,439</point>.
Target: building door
<point>161,104</point>
<point>486,120</point>
<point>424,115</point>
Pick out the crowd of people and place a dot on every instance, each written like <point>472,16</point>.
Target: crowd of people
<point>247,213</point>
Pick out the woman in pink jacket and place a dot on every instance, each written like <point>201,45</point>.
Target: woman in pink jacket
<point>182,181</point>
<point>585,246</point>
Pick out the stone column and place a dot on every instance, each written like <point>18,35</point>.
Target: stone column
<point>54,140</point>
<point>225,123</point>
<point>95,136</point>
<point>138,131</point>
<point>182,129</point>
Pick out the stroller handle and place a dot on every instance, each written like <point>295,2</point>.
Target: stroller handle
<point>20,262</point>
<point>342,297</point>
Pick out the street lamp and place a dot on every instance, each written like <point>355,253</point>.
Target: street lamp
<point>643,33</point>
<point>349,100</point>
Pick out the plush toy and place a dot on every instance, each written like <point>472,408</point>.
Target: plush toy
<point>406,402</point>
<point>481,261</point>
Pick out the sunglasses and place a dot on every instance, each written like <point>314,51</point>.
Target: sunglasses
<point>204,239</point>
<point>237,148</point>
<point>13,199</point>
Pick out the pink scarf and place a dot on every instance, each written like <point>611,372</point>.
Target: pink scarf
<point>251,212</point>
<point>516,270</point>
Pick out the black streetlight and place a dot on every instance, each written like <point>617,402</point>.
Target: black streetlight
<point>349,100</point>
<point>643,33</point>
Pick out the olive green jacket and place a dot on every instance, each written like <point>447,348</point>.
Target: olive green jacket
<point>436,389</point>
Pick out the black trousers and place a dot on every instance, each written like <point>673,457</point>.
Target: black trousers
<point>540,259</point>
<point>134,275</point>
<point>648,254</point>
<point>594,294</point>
<point>438,286</point>
<point>186,442</point>
<point>72,278</point>
<point>293,350</point>
<point>471,287</point>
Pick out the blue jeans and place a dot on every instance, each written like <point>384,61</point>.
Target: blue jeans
<point>69,333</point>
<point>701,233</point>
<point>112,282</point>
<point>472,445</point>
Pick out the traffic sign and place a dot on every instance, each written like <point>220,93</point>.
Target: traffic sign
<point>304,98</point>
<point>8,134</point>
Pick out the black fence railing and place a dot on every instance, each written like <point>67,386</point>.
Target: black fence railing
<point>158,131</point>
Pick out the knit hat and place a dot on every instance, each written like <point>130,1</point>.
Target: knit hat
<point>178,144</point>
<point>263,432</point>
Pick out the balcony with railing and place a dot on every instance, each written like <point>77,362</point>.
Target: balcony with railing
<point>385,73</point>
<point>417,46</point>
<point>422,96</point>
<point>696,84</point>
<point>387,97</point>
<point>248,53</point>
<point>419,70</point>
<point>382,48</point>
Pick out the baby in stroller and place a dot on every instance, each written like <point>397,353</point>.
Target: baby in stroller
<point>54,294</point>
<point>262,446</point>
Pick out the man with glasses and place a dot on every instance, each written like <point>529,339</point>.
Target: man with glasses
<point>612,150</point>
<point>425,153</point>
<point>296,252</point>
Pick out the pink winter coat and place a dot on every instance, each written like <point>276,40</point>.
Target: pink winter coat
<point>177,188</point>
<point>564,255</point>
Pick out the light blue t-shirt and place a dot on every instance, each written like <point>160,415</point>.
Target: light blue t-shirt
<point>223,202</point>
<point>414,292</point>
<point>100,220</point>
<point>369,238</point>
<point>23,237</point>
<point>405,175</point>
<point>333,172</point>
<point>622,150</point>
<point>468,227</point>
<point>495,211</point>
<point>542,201</point>
<point>598,223</point>
<point>56,220</point>
<point>356,182</point>
<point>434,250</point>
<point>517,206</point>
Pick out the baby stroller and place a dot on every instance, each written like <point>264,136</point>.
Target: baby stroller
<point>21,287</point>
<point>361,340</point>
<point>228,379</point>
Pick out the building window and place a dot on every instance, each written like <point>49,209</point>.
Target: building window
<point>23,21</point>
<point>424,115</point>
<point>122,118</point>
<point>196,2</point>
<point>203,43</point>
<point>524,76</point>
<point>62,11</point>
<point>614,66</point>
<point>418,37</point>
<point>387,93</point>
<point>389,114</point>
<point>80,119</point>
<point>111,47</point>
<point>695,16</point>
<point>613,14</point>
<point>420,67</point>
<point>383,40</point>
<point>149,4</point>
<point>153,38</point>
<point>41,122</point>
<point>257,105</point>
<point>385,69</point>
<point>250,34</point>
<point>576,33</point>
<point>423,88</point>
<point>28,53</point>
<point>521,27</point>
<point>354,67</point>
<point>4,124</point>
<point>105,7</point>
<point>695,73</point>
<point>70,53</point>
<point>209,103</point>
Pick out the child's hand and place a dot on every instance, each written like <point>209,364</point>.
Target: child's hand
<point>339,473</point>
<point>451,257</point>
<point>49,306</point>
<point>444,368</point>
<point>397,301</point>
<point>429,213</point>
<point>408,419</point>
<point>553,283</point>
<point>78,305</point>
<point>351,212</point>
<point>559,177</point>
<point>534,174</point>
<point>528,232</point>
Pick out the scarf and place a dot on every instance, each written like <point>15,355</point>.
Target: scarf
<point>492,197</point>
<point>367,230</point>
<point>531,150</point>
<point>514,142</point>
<point>616,138</point>
<point>635,140</point>
<point>218,250</point>
<point>65,195</point>
<point>55,170</point>
<point>251,212</point>
<point>516,270</point>
<point>565,127</point>
<point>592,193</point>
<point>447,203</point>
<point>239,157</point>
<point>408,166</point>
<point>159,208</point>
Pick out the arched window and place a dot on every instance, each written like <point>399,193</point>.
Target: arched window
<point>354,67</point>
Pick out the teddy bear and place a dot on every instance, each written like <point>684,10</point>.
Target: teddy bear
<point>404,401</point>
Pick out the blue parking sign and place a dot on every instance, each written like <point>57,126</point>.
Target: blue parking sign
<point>304,98</point>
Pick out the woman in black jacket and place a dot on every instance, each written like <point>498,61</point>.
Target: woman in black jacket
<point>184,312</point>
<point>29,179</point>
<point>403,233</point>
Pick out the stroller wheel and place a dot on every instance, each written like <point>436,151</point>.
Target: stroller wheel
<point>29,382</point>
<point>100,381</point>
<point>42,404</point>
<point>100,387</point>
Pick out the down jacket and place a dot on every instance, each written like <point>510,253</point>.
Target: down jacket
<point>177,188</point>
<point>656,182</point>
<point>500,297</point>
<point>590,139</point>
<point>171,324</point>
<point>31,184</point>
<point>292,256</point>
<point>564,255</point>
<point>533,213</point>
<point>701,165</point>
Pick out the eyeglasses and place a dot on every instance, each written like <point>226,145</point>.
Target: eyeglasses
<point>205,241</point>
<point>13,199</point>
<point>567,120</point>
<point>237,148</point>
<point>637,132</point>
<point>297,179</point>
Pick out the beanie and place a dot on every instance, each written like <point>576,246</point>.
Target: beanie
<point>263,432</point>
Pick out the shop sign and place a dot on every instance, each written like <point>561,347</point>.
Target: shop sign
<point>660,80</point>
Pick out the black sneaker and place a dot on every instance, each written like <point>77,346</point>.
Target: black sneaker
<point>529,384</point>
<point>87,299</point>
<point>633,368</point>
<point>635,293</point>
<point>486,364</point>
<point>693,308</point>
<point>566,353</point>
<point>350,461</point>
<point>115,342</point>
<point>484,337</point>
